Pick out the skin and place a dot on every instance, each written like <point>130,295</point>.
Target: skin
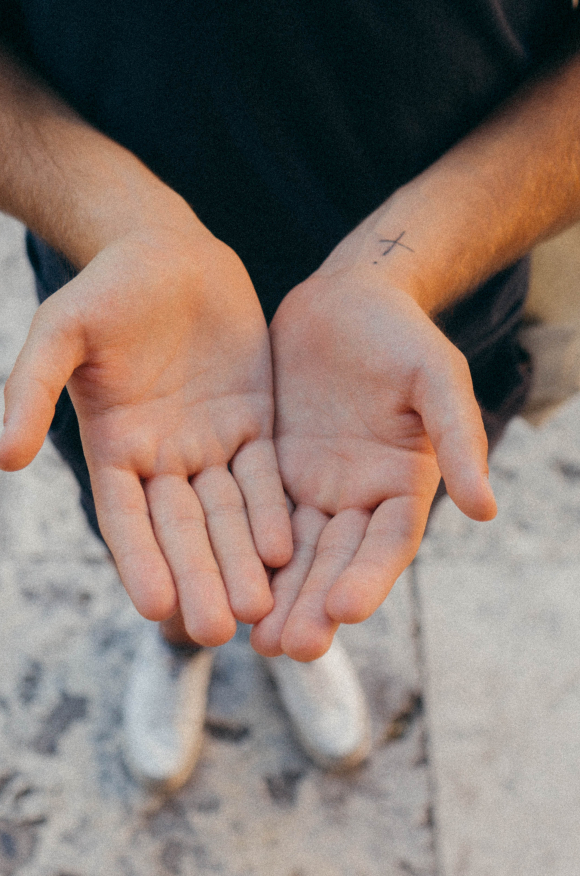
<point>168,393</point>
<point>361,455</point>
<point>372,401</point>
<point>161,342</point>
<point>165,351</point>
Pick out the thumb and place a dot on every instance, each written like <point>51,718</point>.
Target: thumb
<point>53,349</point>
<point>451,416</point>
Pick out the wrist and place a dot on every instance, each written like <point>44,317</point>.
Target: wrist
<point>68,182</point>
<point>388,251</point>
<point>123,200</point>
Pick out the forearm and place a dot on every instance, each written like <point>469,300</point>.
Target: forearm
<point>512,182</point>
<point>75,187</point>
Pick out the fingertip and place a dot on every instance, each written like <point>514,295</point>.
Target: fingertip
<point>476,500</point>
<point>485,512</point>
<point>147,580</point>
<point>264,644</point>
<point>8,460</point>
<point>277,555</point>
<point>212,634</point>
<point>306,652</point>
<point>345,606</point>
<point>153,595</point>
<point>304,645</point>
<point>16,450</point>
<point>266,634</point>
<point>274,545</point>
<point>156,610</point>
<point>154,604</point>
<point>254,610</point>
<point>14,461</point>
<point>488,503</point>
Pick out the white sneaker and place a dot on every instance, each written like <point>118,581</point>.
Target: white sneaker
<point>327,707</point>
<point>164,713</point>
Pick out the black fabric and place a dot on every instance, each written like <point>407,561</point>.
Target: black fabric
<point>284,124</point>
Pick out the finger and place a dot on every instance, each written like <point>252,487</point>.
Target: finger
<point>255,469</point>
<point>391,541</point>
<point>451,416</point>
<point>53,349</point>
<point>232,543</point>
<point>307,524</point>
<point>179,526</point>
<point>126,527</point>
<point>309,630</point>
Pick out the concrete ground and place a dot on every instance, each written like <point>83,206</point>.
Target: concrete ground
<point>472,669</point>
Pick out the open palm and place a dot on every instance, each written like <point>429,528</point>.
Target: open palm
<point>168,364</point>
<point>372,404</point>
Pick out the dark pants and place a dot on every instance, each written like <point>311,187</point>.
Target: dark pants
<point>484,326</point>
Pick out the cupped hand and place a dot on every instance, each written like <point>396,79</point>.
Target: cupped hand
<point>373,405</point>
<point>166,355</point>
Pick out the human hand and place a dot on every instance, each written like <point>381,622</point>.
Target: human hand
<point>165,352</point>
<point>373,404</point>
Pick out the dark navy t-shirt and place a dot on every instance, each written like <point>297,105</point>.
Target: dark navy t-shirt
<point>284,124</point>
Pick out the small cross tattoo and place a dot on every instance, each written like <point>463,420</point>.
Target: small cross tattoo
<point>393,244</point>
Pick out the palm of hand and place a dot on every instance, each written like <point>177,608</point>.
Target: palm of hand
<point>175,385</point>
<point>175,407</point>
<point>354,452</point>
